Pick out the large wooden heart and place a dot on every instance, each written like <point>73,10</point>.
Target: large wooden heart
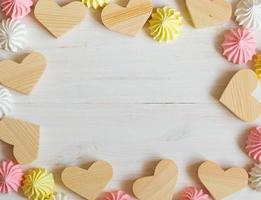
<point>238,98</point>
<point>222,183</point>
<point>59,20</point>
<point>88,183</point>
<point>127,20</point>
<point>24,76</point>
<point>161,186</point>
<point>205,13</point>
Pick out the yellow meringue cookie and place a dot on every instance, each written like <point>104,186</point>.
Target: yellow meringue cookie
<point>95,3</point>
<point>38,184</point>
<point>165,24</point>
<point>257,65</point>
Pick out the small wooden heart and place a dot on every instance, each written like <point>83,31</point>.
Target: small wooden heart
<point>161,186</point>
<point>205,13</point>
<point>238,98</point>
<point>222,183</point>
<point>59,20</point>
<point>127,20</point>
<point>88,183</point>
<point>24,76</point>
<point>24,136</point>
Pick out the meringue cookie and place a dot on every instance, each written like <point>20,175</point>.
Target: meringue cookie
<point>255,177</point>
<point>61,196</point>
<point>165,24</point>
<point>118,195</point>
<point>95,3</point>
<point>12,35</point>
<point>16,9</point>
<point>11,176</point>
<point>38,184</point>
<point>6,102</point>
<point>257,65</point>
<point>239,46</point>
<point>193,193</point>
<point>248,13</point>
<point>253,146</point>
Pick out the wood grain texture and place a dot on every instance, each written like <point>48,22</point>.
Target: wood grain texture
<point>59,20</point>
<point>24,136</point>
<point>238,98</point>
<point>129,20</point>
<point>160,186</point>
<point>88,183</point>
<point>222,183</point>
<point>23,76</point>
<point>205,13</point>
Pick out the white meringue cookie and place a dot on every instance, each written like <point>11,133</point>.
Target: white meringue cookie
<point>255,177</point>
<point>61,196</point>
<point>12,35</point>
<point>6,102</point>
<point>248,13</point>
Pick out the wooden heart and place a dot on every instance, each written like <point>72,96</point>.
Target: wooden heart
<point>127,20</point>
<point>222,183</point>
<point>24,136</point>
<point>59,20</point>
<point>205,13</point>
<point>237,96</point>
<point>24,76</point>
<point>161,186</point>
<point>88,183</point>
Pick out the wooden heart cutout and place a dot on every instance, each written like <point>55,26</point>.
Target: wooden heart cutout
<point>205,13</point>
<point>161,186</point>
<point>24,136</point>
<point>88,183</point>
<point>24,76</point>
<point>222,183</point>
<point>127,20</point>
<point>237,95</point>
<point>59,20</point>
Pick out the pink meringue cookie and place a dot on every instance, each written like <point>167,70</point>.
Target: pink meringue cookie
<point>118,195</point>
<point>16,9</point>
<point>239,46</point>
<point>253,146</point>
<point>11,176</point>
<point>193,193</point>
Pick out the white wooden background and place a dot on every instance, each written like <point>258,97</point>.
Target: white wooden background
<point>132,102</point>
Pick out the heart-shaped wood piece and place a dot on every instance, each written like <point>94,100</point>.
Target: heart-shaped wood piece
<point>88,183</point>
<point>205,13</point>
<point>127,20</point>
<point>24,136</point>
<point>24,76</point>
<point>222,183</point>
<point>161,186</point>
<point>59,20</point>
<point>237,96</point>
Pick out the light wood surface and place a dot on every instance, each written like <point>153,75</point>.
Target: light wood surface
<point>205,13</point>
<point>238,98</point>
<point>23,136</point>
<point>222,183</point>
<point>23,76</point>
<point>129,20</point>
<point>59,20</point>
<point>88,183</point>
<point>160,186</point>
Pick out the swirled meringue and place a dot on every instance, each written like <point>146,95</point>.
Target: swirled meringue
<point>61,196</point>
<point>248,13</point>
<point>12,35</point>
<point>165,24</point>
<point>6,102</point>
<point>95,3</point>
<point>257,65</point>
<point>11,176</point>
<point>193,193</point>
<point>38,184</point>
<point>253,146</point>
<point>255,177</point>
<point>118,195</point>
<point>16,9</point>
<point>239,46</point>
